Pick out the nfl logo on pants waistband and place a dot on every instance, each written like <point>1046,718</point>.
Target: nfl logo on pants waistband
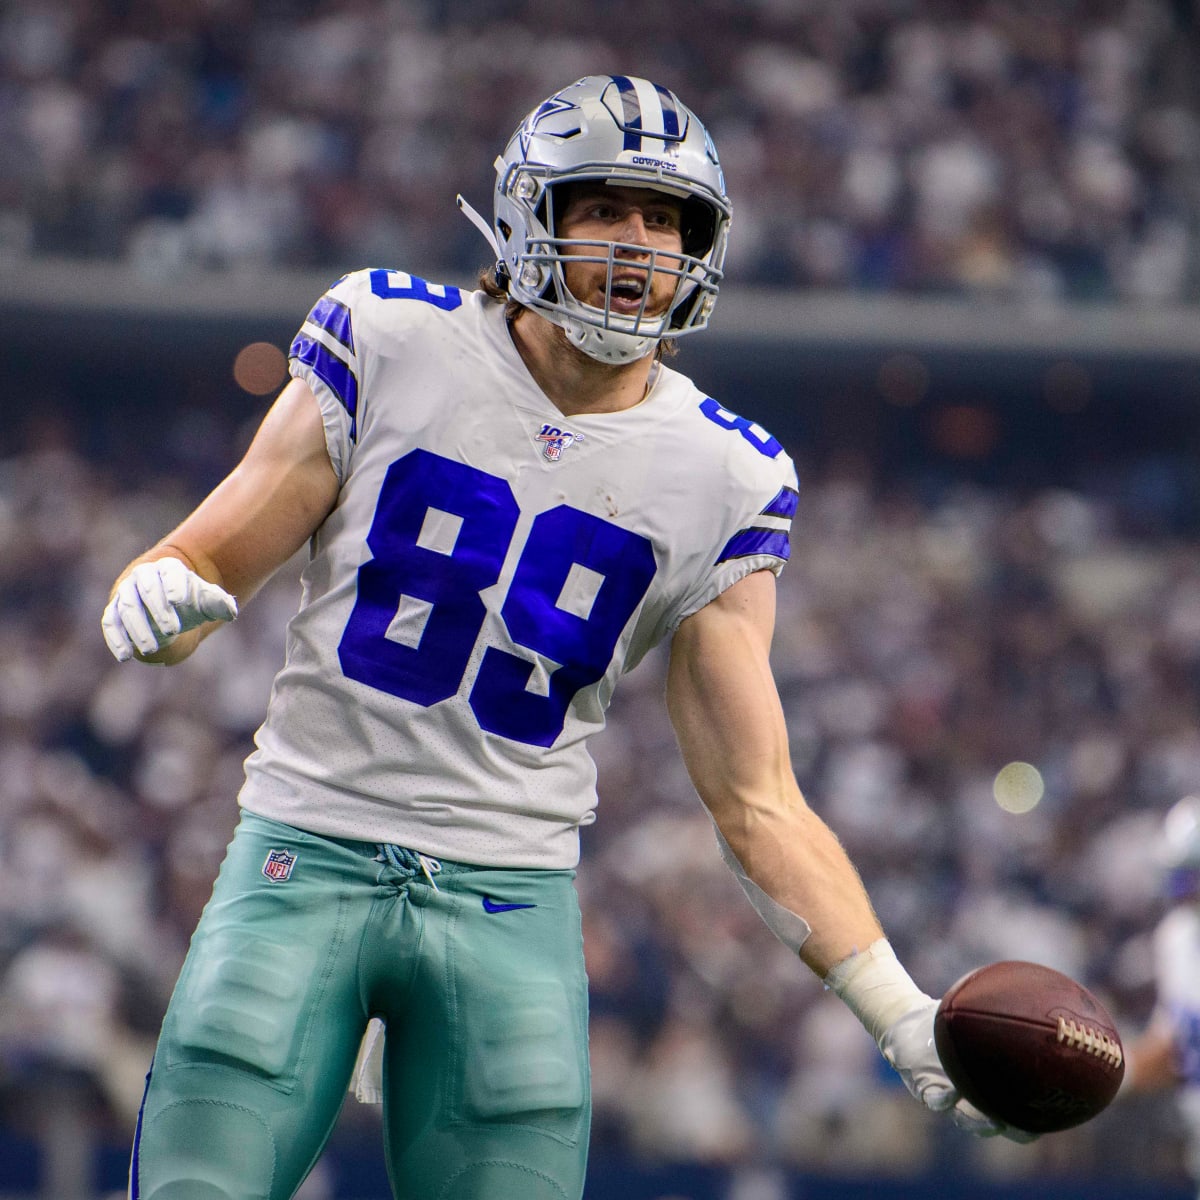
<point>279,865</point>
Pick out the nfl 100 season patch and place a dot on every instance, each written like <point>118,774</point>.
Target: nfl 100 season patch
<point>279,864</point>
<point>555,441</point>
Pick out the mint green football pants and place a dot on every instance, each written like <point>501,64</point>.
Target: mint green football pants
<point>480,981</point>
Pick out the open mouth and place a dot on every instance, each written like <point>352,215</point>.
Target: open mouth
<point>627,291</point>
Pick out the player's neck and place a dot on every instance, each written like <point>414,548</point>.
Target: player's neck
<point>572,381</point>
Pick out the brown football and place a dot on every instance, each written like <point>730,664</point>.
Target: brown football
<point>1029,1046</point>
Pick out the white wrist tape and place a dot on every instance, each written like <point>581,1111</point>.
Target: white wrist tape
<point>792,930</point>
<point>875,987</point>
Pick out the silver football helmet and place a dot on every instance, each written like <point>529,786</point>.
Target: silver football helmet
<point>629,132</point>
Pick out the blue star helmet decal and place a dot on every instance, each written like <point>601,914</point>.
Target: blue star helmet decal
<point>544,115</point>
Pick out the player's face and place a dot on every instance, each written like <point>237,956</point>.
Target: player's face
<point>646,220</point>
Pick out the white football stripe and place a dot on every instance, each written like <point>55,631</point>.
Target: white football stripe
<point>651,102</point>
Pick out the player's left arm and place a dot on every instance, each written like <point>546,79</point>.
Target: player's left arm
<point>729,721</point>
<point>725,708</point>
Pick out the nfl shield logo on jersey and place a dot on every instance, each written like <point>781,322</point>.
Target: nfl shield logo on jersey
<point>278,866</point>
<point>555,441</point>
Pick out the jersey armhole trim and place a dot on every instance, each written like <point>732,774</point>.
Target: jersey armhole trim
<point>734,574</point>
<point>335,421</point>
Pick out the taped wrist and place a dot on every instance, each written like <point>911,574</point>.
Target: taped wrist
<point>792,930</point>
<point>875,987</point>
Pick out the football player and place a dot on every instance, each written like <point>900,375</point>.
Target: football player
<point>1167,1053</point>
<point>508,498</point>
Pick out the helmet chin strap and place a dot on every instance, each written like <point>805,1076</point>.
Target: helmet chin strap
<point>479,223</point>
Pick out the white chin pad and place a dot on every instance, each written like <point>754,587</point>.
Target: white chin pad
<point>792,930</point>
<point>608,345</point>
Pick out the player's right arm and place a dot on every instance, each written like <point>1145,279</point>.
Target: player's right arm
<point>251,523</point>
<point>1152,1060</point>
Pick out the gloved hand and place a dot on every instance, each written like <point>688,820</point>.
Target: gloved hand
<point>908,1045</point>
<point>156,602</point>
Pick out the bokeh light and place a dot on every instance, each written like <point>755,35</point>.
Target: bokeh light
<point>1018,787</point>
<point>259,368</point>
<point>965,431</point>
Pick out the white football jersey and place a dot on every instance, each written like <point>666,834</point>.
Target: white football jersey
<point>489,570</point>
<point>1177,976</point>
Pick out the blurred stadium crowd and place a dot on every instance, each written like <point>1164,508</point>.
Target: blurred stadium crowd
<point>1021,147</point>
<point>926,639</point>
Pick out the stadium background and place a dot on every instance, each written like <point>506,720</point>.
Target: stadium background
<point>962,290</point>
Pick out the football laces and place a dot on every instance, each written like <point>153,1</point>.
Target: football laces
<point>1091,1041</point>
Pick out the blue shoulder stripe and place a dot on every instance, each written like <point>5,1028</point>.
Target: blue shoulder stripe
<point>784,505</point>
<point>333,316</point>
<point>756,540</point>
<point>331,370</point>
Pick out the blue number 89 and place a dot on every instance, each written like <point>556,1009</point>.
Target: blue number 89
<point>440,535</point>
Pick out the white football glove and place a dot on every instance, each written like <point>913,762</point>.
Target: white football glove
<point>899,1016</point>
<point>156,602</point>
<point>909,1046</point>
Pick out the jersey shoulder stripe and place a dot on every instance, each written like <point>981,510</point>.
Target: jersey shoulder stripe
<point>331,315</point>
<point>760,479</point>
<point>757,539</point>
<point>326,344</point>
<point>335,372</point>
<point>357,318</point>
<point>771,534</point>
<point>784,504</point>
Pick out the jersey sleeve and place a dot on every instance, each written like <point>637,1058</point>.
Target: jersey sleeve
<point>325,353</point>
<point>756,534</point>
